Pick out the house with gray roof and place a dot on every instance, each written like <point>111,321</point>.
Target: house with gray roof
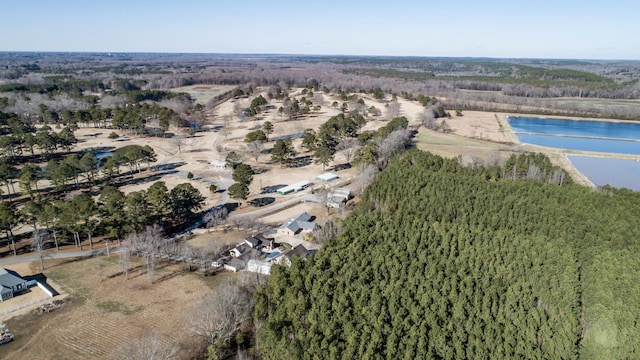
<point>299,251</point>
<point>300,224</point>
<point>10,284</point>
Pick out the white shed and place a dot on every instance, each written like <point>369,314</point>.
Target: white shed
<point>327,177</point>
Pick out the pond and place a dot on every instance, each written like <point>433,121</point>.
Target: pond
<point>609,171</point>
<point>103,155</point>
<point>586,135</point>
<point>285,137</point>
<point>583,135</point>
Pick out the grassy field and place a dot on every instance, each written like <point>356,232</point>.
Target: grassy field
<point>105,309</point>
<point>203,93</point>
<point>452,145</point>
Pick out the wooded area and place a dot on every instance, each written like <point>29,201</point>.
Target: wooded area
<point>438,261</point>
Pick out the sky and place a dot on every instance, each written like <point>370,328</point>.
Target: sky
<point>559,29</point>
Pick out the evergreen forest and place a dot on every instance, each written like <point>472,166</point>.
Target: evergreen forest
<point>441,261</point>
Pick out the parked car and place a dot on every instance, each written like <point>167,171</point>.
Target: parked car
<point>220,262</point>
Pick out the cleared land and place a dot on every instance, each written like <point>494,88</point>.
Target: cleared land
<point>202,94</point>
<point>105,310</point>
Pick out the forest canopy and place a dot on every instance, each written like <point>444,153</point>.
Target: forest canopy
<point>442,261</point>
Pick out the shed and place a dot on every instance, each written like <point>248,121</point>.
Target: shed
<point>234,265</point>
<point>327,177</point>
<point>337,197</point>
<point>219,164</point>
<point>294,187</point>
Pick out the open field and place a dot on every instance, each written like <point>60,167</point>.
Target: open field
<point>105,310</point>
<point>201,93</point>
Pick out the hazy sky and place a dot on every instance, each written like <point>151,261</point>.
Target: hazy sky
<point>585,29</point>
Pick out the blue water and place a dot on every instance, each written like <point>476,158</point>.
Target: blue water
<point>583,144</point>
<point>607,171</point>
<point>600,136</point>
<point>597,136</point>
<point>102,155</point>
<point>285,137</point>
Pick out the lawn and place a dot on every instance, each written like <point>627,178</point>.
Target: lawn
<point>105,310</point>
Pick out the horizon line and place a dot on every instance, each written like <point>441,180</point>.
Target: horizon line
<point>266,54</point>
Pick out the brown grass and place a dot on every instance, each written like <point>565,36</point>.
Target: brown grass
<point>105,310</point>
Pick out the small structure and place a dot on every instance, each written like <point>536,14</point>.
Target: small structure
<point>338,197</point>
<point>327,177</point>
<point>234,265</point>
<point>299,224</point>
<point>299,251</point>
<point>219,164</point>
<point>11,284</point>
<point>299,186</point>
<point>260,267</point>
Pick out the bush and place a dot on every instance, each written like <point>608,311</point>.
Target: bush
<point>113,135</point>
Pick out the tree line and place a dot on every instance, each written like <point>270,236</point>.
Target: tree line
<point>440,260</point>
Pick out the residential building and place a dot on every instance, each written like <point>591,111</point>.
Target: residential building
<point>11,284</point>
<point>300,224</point>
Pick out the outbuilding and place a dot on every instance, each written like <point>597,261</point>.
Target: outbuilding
<point>219,164</point>
<point>326,177</point>
<point>299,186</point>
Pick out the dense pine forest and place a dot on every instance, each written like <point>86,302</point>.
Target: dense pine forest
<point>446,262</point>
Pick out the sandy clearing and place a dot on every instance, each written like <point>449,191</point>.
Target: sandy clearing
<point>482,134</point>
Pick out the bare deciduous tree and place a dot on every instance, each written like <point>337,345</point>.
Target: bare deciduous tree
<point>237,108</point>
<point>149,245</point>
<point>125,261</point>
<point>393,110</point>
<point>226,129</point>
<point>221,314</point>
<point>348,147</point>
<point>365,177</point>
<point>179,104</point>
<point>178,141</point>
<point>395,142</point>
<point>147,347</point>
<point>214,217</point>
<point>427,119</point>
<point>330,230</point>
<point>40,237</point>
<point>255,148</point>
<point>318,99</point>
